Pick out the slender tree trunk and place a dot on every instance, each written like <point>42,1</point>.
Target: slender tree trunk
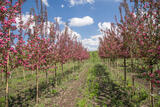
<point>151,94</point>
<point>37,85</point>
<point>6,105</point>
<point>46,77</point>
<point>125,76</point>
<point>17,72</point>
<point>62,68</point>
<point>7,70</point>
<point>74,66</point>
<point>55,70</point>
<point>2,77</point>
<point>151,91</point>
<point>132,69</point>
<point>108,62</point>
<point>157,67</point>
<point>131,53</point>
<point>24,74</point>
<point>55,74</point>
<point>133,79</point>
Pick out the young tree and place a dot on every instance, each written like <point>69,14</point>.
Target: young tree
<point>7,20</point>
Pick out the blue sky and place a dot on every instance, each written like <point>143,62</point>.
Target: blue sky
<point>85,17</point>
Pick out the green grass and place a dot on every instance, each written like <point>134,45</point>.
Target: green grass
<point>25,88</point>
<point>101,79</point>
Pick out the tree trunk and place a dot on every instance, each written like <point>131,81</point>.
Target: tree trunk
<point>7,70</point>
<point>158,67</point>
<point>132,65</point>
<point>46,77</point>
<point>125,76</point>
<point>151,91</point>
<point>133,79</point>
<point>74,66</point>
<point>6,105</point>
<point>55,70</point>
<point>37,85</point>
<point>55,74</point>
<point>151,94</point>
<point>24,74</point>
<point>62,68</point>
<point>2,77</point>
<point>6,94</point>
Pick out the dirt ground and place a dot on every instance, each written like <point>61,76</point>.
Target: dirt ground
<point>69,96</point>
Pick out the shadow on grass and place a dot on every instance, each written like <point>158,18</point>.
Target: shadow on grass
<point>24,99</point>
<point>109,94</point>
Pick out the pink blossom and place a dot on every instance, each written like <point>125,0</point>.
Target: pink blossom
<point>11,49</point>
<point>8,73</point>
<point>158,82</point>
<point>15,51</point>
<point>1,33</point>
<point>3,9</point>
<point>151,75</point>
<point>158,71</point>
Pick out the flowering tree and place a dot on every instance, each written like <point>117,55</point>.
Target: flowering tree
<point>42,48</point>
<point>139,37</point>
<point>149,37</point>
<point>7,20</point>
<point>63,48</point>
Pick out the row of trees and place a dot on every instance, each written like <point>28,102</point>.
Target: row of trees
<point>36,44</point>
<point>137,35</point>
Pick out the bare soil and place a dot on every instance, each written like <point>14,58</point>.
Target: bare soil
<point>68,97</point>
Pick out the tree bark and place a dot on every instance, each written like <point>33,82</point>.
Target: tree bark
<point>7,70</point>
<point>62,68</point>
<point>37,85</point>
<point>1,77</point>
<point>24,74</point>
<point>133,79</point>
<point>151,91</point>
<point>125,75</point>
<point>6,94</point>
<point>132,69</point>
<point>46,77</point>
<point>55,74</point>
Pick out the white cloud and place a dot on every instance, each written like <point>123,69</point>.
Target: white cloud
<point>26,18</point>
<point>78,22</point>
<point>79,2</point>
<point>104,25</point>
<point>96,37</point>
<point>59,20</point>
<point>91,43</point>
<point>107,26</point>
<point>108,0</point>
<point>45,2</point>
<point>73,34</point>
<point>62,6</point>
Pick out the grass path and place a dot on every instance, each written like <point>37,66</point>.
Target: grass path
<point>68,96</point>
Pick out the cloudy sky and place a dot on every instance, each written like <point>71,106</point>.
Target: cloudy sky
<point>85,17</point>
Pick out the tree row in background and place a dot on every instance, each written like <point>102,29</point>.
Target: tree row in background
<point>136,37</point>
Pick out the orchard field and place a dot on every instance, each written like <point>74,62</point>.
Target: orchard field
<point>44,66</point>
